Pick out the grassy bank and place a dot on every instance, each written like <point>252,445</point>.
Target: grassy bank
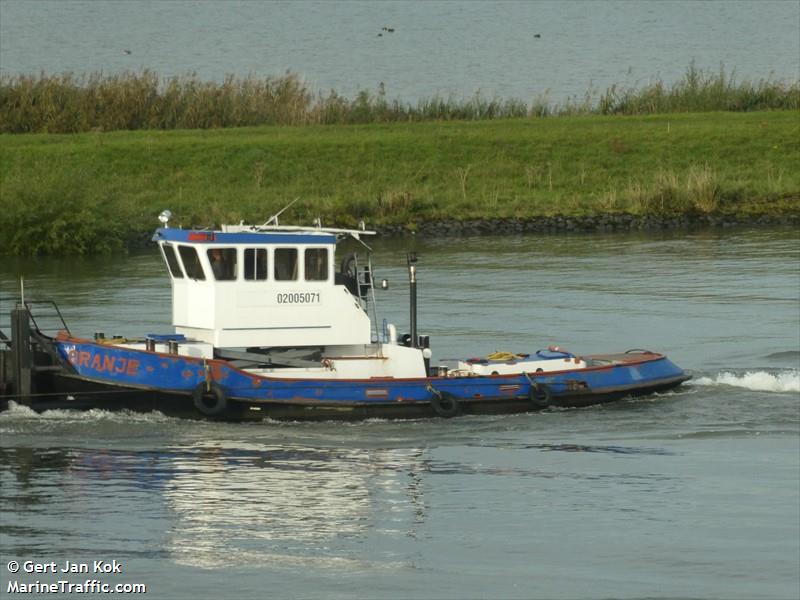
<point>132,101</point>
<point>94,192</point>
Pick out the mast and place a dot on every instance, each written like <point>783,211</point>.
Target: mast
<point>412,288</point>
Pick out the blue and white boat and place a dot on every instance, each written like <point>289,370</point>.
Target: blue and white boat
<point>267,326</point>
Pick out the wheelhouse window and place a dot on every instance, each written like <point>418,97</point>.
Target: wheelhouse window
<point>171,258</point>
<point>286,264</point>
<point>316,264</point>
<point>191,263</point>
<point>255,264</point>
<point>223,263</point>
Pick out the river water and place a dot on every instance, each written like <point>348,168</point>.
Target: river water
<point>689,494</point>
<point>508,49</point>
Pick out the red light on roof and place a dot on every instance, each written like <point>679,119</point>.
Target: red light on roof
<point>201,236</point>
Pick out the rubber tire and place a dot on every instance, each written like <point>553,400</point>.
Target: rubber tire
<point>540,395</point>
<point>200,395</point>
<point>446,406</point>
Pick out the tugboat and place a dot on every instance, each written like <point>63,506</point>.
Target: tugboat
<point>266,326</point>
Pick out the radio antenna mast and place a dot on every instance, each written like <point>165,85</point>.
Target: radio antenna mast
<point>274,218</point>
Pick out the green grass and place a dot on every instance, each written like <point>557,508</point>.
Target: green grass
<point>94,192</point>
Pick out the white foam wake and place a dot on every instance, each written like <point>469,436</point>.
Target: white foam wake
<point>759,381</point>
<point>23,413</point>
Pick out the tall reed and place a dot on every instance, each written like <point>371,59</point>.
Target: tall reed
<point>700,91</point>
<point>69,103</point>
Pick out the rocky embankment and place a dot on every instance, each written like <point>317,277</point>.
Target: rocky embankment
<point>560,224</point>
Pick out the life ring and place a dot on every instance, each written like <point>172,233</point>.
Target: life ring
<point>540,395</point>
<point>445,404</point>
<point>211,401</point>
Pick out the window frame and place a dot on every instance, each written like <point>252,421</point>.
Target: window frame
<point>296,272</point>
<point>199,262</point>
<point>255,250</point>
<point>326,263</point>
<point>227,251</point>
<point>176,264</point>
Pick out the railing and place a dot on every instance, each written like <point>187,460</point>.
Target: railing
<point>369,280</point>
<point>45,317</point>
<point>365,285</point>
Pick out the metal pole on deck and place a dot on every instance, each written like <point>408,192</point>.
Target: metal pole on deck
<point>412,286</point>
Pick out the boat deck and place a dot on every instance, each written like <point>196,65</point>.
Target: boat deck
<point>624,358</point>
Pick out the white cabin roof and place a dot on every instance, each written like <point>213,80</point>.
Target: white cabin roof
<point>241,228</point>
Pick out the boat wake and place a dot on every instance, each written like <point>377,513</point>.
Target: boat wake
<point>19,412</point>
<point>758,381</point>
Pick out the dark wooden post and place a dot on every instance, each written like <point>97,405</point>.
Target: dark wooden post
<point>5,376</point>
<point>21,354</point>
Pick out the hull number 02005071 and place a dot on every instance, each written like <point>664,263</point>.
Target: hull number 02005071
<point>299,298</point>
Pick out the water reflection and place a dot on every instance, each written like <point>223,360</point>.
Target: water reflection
<point>268,504</point>
<point>222,503</point>
<point>225,505</point>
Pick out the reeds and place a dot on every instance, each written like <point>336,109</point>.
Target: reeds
<point>696,191</point>
<point>701,91</point>
<point>69,104</point>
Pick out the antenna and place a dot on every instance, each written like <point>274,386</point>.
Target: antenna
<point>274,218</point>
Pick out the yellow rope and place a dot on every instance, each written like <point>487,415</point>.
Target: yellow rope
<point>116,341</point>
<point>504,356</point>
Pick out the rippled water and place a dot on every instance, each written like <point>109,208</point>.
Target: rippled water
<point>690,494</point>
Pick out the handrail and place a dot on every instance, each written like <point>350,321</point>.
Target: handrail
<point>29,304</point>
<point>45,315</point>
<point>371,293</point>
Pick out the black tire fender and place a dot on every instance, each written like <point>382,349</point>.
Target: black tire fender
<point>445,405</point>
<point>540,395</point>
<point>210,400</point>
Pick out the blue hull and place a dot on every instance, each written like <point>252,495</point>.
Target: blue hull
<point>214,388</point>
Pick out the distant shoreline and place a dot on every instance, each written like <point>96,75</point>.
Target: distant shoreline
<point>606,223</point>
